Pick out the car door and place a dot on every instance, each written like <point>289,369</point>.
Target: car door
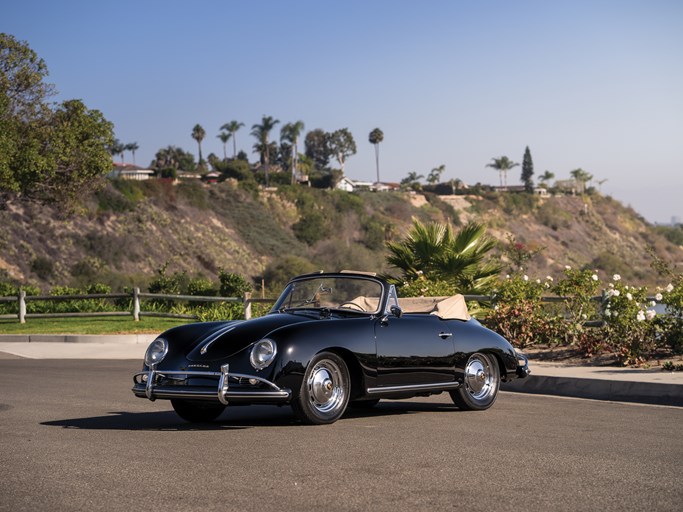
<point>414,349</point>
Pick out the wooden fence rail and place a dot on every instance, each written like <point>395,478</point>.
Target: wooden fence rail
<point>136,304</point>
<point>136,308</point>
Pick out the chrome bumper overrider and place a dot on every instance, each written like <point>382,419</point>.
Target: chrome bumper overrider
<point>523,370</point>
<point>223,392</point>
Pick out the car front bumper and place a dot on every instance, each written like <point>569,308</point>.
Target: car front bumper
<point>153,384</point>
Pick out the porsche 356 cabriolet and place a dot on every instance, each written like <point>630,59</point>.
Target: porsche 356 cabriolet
<point>332,340</point>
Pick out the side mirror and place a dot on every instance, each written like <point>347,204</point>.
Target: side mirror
<point>396,311</point>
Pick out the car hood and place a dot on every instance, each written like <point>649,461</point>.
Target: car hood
<point>236,336</point>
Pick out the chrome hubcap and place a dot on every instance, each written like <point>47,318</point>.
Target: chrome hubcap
<point>480,379</point>
<point>324,387</point>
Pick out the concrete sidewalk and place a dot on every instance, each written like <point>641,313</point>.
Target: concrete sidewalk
<point>651,386</point>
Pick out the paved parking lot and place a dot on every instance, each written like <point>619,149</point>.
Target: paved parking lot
<point>73,437</point>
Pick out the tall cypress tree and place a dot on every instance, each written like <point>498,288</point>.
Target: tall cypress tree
<point>527,171</point>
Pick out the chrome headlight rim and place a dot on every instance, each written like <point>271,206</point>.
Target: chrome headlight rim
<point>260,358</point>
<point>156,352</point>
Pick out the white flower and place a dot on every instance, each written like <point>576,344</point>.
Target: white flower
<point>617,293</point>
<point>629,296</point>
<point>640,316</point>
<point>584,316</point>
<point>507,276</point>
<point>567,267</point>
<point>658,297</point>
<point>546,285</point>
<point>616,277</point>
<point>608,313</point>
<point>669,288</point>
<point>549,278</point>
<point>616,314</point>
<point>611,285</point>
<point>594,277</point>
<point>538,281</point>
<point>651,313</point>
<point>652,303</point>
<point>526,278</point>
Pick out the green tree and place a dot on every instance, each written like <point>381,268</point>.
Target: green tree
<point>502,165</point>
<point>342,146</point>
<point>291,133</point>
<point>225,137</point>
<point>317,148</point>
<point>527,171</point>
<point>434,252</point>
<point>50,154</point>
<point>198,134</point>
<point>232,127</point>
<point>376,136</point>
<point>172,157</point>
<point>435,174</point>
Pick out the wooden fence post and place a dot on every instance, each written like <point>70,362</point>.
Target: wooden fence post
<point>247,305</point>
<point>136,304</point>
<point>22,307</point>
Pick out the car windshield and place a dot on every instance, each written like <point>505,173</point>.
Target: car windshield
<point>352,293</point>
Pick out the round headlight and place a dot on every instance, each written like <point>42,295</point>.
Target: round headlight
<point>156,351</point>
<point>262,353</point>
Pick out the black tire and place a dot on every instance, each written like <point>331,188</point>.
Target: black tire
<point>325,390</point>
<point>364,404</point>
<point>197,412</point>
<point>480,384</point>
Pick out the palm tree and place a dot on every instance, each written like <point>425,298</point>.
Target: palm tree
<point>132,147</point>
<point>435,174</point>
<point>376,136</point>
<point>433,251</point>
<point>581,177</point>
<point>225,137</point>
<point>117,148</point>
<point>291,133</point>
<point>546,176</point>
<point>232,128</point>
<point>502,165</point>
<point>412,180</point>
<point>262,134</point>
<point>198,134</point>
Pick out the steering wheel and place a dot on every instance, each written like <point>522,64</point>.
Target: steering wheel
<point>349,304</point>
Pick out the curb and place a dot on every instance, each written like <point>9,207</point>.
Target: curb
<point>599,389</point>
<point>125,339</point>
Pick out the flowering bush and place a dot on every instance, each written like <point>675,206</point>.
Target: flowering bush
<point>671,324</point>
<point>518,315</point>
<point>629,330</point>
<point>578,289</point>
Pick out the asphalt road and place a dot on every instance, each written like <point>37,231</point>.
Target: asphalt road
<point>73,437</point>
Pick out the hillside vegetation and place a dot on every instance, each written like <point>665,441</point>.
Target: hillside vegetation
<point>129,230</point>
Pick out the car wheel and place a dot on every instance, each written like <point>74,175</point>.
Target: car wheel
<point>197,412</point>
<point>324,392</point>
<point>480,384</point>
<point>364,404</point>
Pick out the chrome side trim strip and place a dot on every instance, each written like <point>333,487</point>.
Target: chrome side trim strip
<point>213,337</point>
<point>414,387</point>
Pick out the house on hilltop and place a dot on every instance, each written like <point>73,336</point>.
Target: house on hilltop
<point>130,172</point>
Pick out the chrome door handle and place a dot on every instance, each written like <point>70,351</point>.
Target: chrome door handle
<point>445,335</point>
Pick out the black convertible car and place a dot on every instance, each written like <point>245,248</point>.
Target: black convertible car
<point>332,340</point>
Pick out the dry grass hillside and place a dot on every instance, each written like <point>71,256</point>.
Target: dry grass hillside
<point>127,231</point>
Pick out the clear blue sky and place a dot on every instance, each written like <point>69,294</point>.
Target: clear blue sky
<point>591,84</point>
